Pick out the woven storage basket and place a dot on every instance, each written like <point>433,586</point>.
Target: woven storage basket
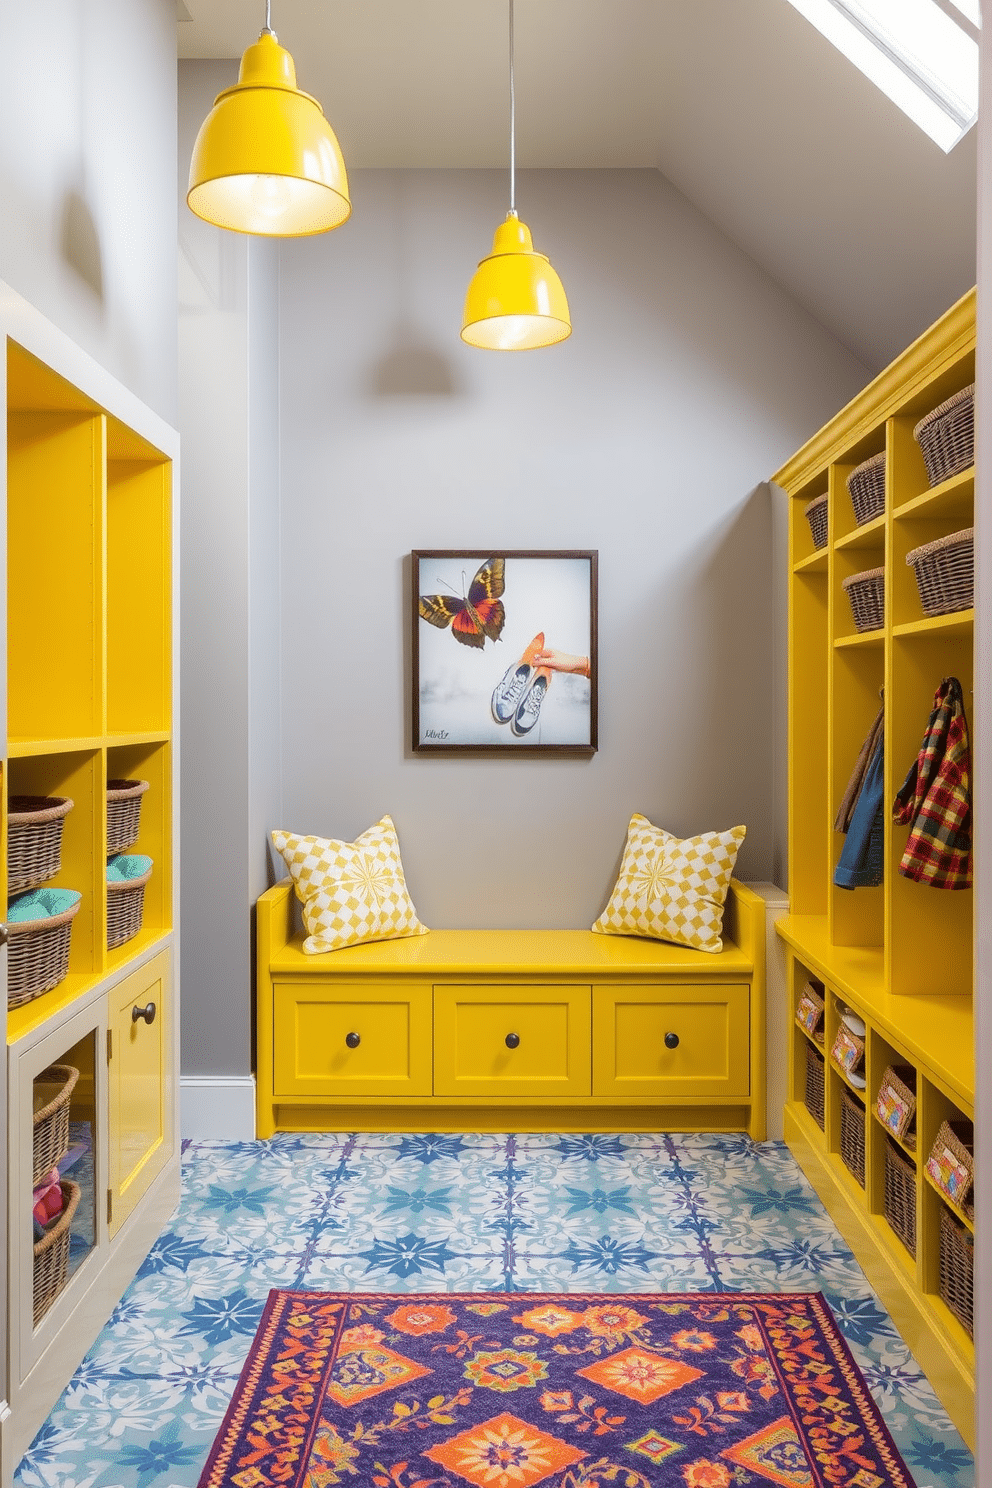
<point>38,954</point>
<point>126,900</point>
<point>52,1092</point>
<point>51,1253</point>
<point>953,1148</point>
<point>852,1135</point>
<point>815,512</point>
<point>123,813</point>
<point>957,1269</point>
<point>898,1086</point>
<point>945,572</point>
<point>900,1195</point>
<point>866,596</point>
<point>866,486</point>
<point>947,436</point>
<point>813,1090</point>
<point>809,1013</point>
<point>34,840</point>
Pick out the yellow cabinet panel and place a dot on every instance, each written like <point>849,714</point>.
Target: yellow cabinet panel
<point>511,1041</point>
<point>139,1011</point>
<point>673,1042</point>
<point>351,1038</point>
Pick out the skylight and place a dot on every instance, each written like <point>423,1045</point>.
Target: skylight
<point>923,54</point>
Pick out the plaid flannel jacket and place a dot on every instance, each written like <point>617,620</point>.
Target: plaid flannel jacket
<point>935,799</point>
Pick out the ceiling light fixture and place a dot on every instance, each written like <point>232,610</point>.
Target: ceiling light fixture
<point>515,301</point>
<point>266,161</point>
<point>923,54</point>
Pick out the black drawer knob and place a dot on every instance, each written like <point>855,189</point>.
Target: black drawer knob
<point>512,1040</point>
<point>353,1040</point>
<point>148,1013</point>
<point>671,1040</point>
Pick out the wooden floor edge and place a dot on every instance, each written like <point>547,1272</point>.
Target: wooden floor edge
<point>953,1382</point>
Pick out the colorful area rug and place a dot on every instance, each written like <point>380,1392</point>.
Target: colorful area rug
<point>508,1390</point>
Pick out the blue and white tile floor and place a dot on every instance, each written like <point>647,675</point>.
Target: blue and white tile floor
<point>456,1213</point>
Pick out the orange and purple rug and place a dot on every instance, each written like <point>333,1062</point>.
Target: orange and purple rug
<point>569,1390</point>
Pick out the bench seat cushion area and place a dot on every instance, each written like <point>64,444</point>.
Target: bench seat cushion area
<point>510,1030</point>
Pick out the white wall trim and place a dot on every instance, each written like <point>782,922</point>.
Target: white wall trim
<point>220,1106</point>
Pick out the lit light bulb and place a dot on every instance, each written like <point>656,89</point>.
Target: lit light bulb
<point>271,196</point>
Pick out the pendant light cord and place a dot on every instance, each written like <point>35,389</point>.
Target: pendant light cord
<point>513,128</point>
<point>268,16</point>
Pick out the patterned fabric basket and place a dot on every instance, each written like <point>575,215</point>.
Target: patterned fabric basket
<point>127,875</point>
<point>51,1096</point>
<point>51,1253</point>
<point>852,1135</point>
<point>38,951</point>
<point>957,1269</point>
<point>815,512</point>
<point>951,1164</point>
<point>866,487</point>
<point>945,572</point>
<point>947,436</point>
<point>123,813</point>
<point>900,1195</point>
<point>866,596</point>
<point>895,1104</point>
<point>34,840</point>
<point>813,1089</point>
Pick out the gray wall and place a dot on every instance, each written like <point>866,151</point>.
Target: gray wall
<point>87,152</point>
<point>689,377</point>
<point>229,408</point>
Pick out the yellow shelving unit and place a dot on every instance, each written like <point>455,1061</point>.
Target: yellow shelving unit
<point>89,501</point>
<point>900,955</point>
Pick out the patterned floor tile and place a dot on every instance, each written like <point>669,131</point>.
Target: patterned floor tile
<point>423,1212</point>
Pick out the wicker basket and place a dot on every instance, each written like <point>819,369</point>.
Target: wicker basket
<point>38,954</point>
<point>945,572</point>
<point>34,840</point>
<point>813,1090</point>
<point>126,902</point>
<point>895,1104</point>
<point>951,1164</point>
<point>123,813</point>
<point>51,1253</point>
<point>947,436</point>
<point>866,486</point>
<point>866,596</point>
<point>900,1195</point>
<point>815,513</point>
<point>52,1092</point>
<point>852,1135</point>
<point>810,1009</point>
<point>957,1269</point>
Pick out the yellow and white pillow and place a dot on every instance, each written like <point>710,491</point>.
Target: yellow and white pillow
<point>672,888</point>
<point>351,892</point>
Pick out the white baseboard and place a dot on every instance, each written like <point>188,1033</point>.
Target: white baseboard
<point>221,1106</point>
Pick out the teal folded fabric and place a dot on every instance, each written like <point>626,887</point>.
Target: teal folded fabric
<point>124,866</point>
<point>41,904</point>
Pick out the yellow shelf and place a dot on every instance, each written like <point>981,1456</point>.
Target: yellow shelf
<point>953,498</point>
<point>911,1152</point>
<point>871,535</point>
<point>969,1224</point>
<point>139,736</point>
<point>25,1019</point>
<point>863,638</point>
<point>132,949</point>
<point>814,563</point>
<point>960,622</point>
<point>30,748</point>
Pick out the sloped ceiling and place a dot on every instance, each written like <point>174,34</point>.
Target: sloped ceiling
<point>740,103</point>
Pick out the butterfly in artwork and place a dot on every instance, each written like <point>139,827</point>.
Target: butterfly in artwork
<point>476,617</point>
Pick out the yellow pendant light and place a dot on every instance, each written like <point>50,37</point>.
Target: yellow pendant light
<point>266,160</point>
<point>515,301</point>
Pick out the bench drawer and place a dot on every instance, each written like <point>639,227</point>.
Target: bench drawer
<point>313,1053</point>
<point>511,1040</point>
<point>707,1054</point>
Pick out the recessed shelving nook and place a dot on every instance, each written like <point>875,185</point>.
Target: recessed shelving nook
<point>894,960</point>
<point>89,496</point>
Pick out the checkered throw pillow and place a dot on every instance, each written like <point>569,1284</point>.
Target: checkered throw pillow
<point>672,888</point>
<point>351,892</point>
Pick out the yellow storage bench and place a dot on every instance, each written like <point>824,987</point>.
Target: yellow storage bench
<point>511,1030</point>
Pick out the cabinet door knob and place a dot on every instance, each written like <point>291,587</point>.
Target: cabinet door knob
<point>512,1040</point>
<point>4,934</point>
<point>148,1013</point>
<point>671,1040</point>
<point>353,1040</point>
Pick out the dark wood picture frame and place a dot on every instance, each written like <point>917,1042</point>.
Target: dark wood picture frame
<point>487,598</point>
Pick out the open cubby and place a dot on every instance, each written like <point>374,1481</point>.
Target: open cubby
<point>899,955</point>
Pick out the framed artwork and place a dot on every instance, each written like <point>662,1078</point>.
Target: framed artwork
<point>504,652</point>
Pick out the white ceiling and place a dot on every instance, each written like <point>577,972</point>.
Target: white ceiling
<point>740,103</point>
